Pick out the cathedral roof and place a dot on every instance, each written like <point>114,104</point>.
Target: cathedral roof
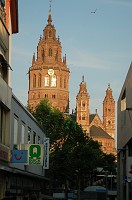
<point>96,131</point>
<point>91,117</point>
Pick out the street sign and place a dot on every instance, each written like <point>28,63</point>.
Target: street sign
<point>46,153</point>
<point>19,156</point>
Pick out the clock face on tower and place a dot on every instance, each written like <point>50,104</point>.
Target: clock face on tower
<point>51,72</point>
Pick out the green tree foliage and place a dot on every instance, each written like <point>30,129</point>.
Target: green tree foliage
<point>73,155</point>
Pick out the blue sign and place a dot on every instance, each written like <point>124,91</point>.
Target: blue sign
<point>19,156</point>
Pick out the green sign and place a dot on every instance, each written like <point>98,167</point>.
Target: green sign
<point>35,154</point>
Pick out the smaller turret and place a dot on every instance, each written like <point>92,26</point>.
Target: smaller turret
<point>33,59</point>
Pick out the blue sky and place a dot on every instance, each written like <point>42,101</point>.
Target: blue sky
<point>97,46</point>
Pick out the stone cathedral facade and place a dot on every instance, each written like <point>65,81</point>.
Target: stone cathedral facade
<point>49,74</point>
<point>103,132</point>
<point>49,78</point>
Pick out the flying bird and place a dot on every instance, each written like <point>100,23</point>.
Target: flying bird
<point>94,11</point>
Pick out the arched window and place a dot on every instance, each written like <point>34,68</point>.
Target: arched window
<point>83,104</point>
<point>53,81</point>
<point>34,80</point>
<point>83,117</point>
<point>50,52</point>
<point>46,81</point>
<point>64,82</point>
<point>61,82</point>
<point>39,80</point>
<point>50,33</point>
<point>43,54</point>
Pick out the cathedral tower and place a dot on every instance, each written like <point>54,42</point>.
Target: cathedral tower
<point>109,112</point>
<point>49,74</point>
<point>82,107</point>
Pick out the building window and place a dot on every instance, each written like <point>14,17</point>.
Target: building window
<point>123,101</point>
<point>39,80</point>
<point>53,96</point>
<point>46,80</point>
<point>130,150</point>
<point>83,117</point>
<point>53,81</point>
<point>50,52</point>
<point>15,129</point>
<point>33,96</point>
<point>38,139</point>
<point>83,104</point>
<point>46,95</point>
<point>123,109</point>
<point>29,135</point>
<point>50,33</point>
<point>43,54</point>
<point>23,131</point>
<point>61,82</point>
<point>34,80</point>
<point>34,138</point>
<point>3,113</point>
<point>64,82</point>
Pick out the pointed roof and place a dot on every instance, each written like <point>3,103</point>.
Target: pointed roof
<point>91,117</point>
<point>83,87</point>
<point>49,19</point>
<point>108,93</point>
<point>49,15</point>
<point>98,132</point>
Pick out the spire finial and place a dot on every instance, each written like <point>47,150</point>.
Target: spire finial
<point>49,15</point>
<point>50,6</point>
<point>82,78</point>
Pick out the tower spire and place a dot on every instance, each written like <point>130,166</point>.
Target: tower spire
<point>83,78</point>
<point>50,6</point>
<point>49,15</point>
